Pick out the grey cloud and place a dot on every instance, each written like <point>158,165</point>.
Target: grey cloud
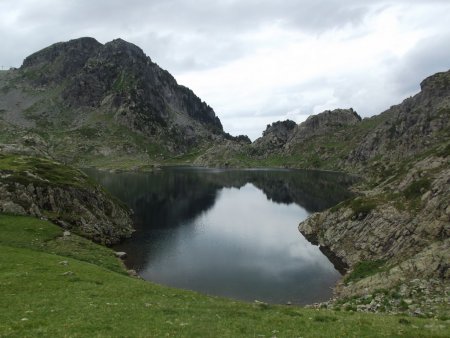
<point>178,34</point>
<point>430,56</point>
<point>212,28</point>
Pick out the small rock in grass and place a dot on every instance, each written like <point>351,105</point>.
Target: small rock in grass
<point>66,233</point>
<point>120,254</point>
<point>132,272</point>
<point>64,263</point>
<point>418,313</point>
<point>68,273</point>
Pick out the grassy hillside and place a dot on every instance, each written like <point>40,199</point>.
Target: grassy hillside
<point>67,286</point>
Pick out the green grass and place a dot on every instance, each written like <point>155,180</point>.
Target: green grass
<point>417,188</point>
<point>36,170</point>
<point>124,82</point>
<point>362,207</point>
<point>32,233</point>
<point>364,269</point>
<point>39,296</point>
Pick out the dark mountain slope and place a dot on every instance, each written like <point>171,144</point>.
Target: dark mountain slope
<point>91,102</point>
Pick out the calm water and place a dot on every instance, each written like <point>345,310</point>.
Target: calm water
<point>230,233</point>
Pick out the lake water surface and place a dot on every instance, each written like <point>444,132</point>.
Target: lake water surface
<point>229,233</point>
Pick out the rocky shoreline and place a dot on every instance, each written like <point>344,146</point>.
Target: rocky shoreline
<point>399,231</point>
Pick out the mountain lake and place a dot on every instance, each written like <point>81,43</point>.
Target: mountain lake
<point>230,233</point>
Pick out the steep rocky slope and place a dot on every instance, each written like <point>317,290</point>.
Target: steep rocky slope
<point>400,222</point>
<point>93,103</point>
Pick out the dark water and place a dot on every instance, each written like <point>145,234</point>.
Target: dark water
<point>230,233</point>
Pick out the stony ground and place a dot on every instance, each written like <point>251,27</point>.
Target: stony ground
<point>426,298</point>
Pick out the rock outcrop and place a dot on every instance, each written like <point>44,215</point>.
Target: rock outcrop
<point>411,127</point>
<point>324,123</point>
<point>282,136</point>
<point>44,188</point>
<point>275,136</point>
<point>392,222</point>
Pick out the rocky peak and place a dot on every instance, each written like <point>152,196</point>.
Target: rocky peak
<point>121,51</point>
<point>330,119</point>
<point>119,79</point>
<point>412,126</point>
<point>58,61</point>
<point>275,135</point>
<point>280,128</point>
<point>82,46</point>
<point>324,123</point>
<point>437,81</point>
<point>285,134</point>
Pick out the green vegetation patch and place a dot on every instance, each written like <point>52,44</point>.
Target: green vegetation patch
<point>27,169</point>
<point>417,188</point>
<point>365,269</point>
<point>360,206</point>
<point>444,151</point>
<point>124,82</point>
<point>35,234</point>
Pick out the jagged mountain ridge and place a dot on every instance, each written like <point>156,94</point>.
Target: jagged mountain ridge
<point>112,101</point>
<point>121,70</point>
<point>341,140</point>
<point>287,144</point>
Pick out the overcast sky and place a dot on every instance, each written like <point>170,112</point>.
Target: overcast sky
<point>257,61</point>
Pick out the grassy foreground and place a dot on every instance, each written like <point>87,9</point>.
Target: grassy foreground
<point>57,286</point>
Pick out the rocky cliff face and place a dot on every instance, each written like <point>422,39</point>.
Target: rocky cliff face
<point>411,127</point>
<point>324,123</point>
<point>111,101</point>
<point>285,135</point>
<point>275,136</point>
<point>43,188</point>
<point>401,218</point>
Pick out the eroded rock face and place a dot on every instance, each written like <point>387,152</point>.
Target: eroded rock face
<point>325,122</point>
<point>137,85</point>
<point>276,135</point>
<point>90,213</point>
<point>60,60</point>
<point>43,188</point>
<point>121,73</point>
<point>410,127</point>
<point>404,222</point>
<point>283,135</point>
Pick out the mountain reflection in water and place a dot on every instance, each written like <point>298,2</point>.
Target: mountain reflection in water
<point>229,232</point>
